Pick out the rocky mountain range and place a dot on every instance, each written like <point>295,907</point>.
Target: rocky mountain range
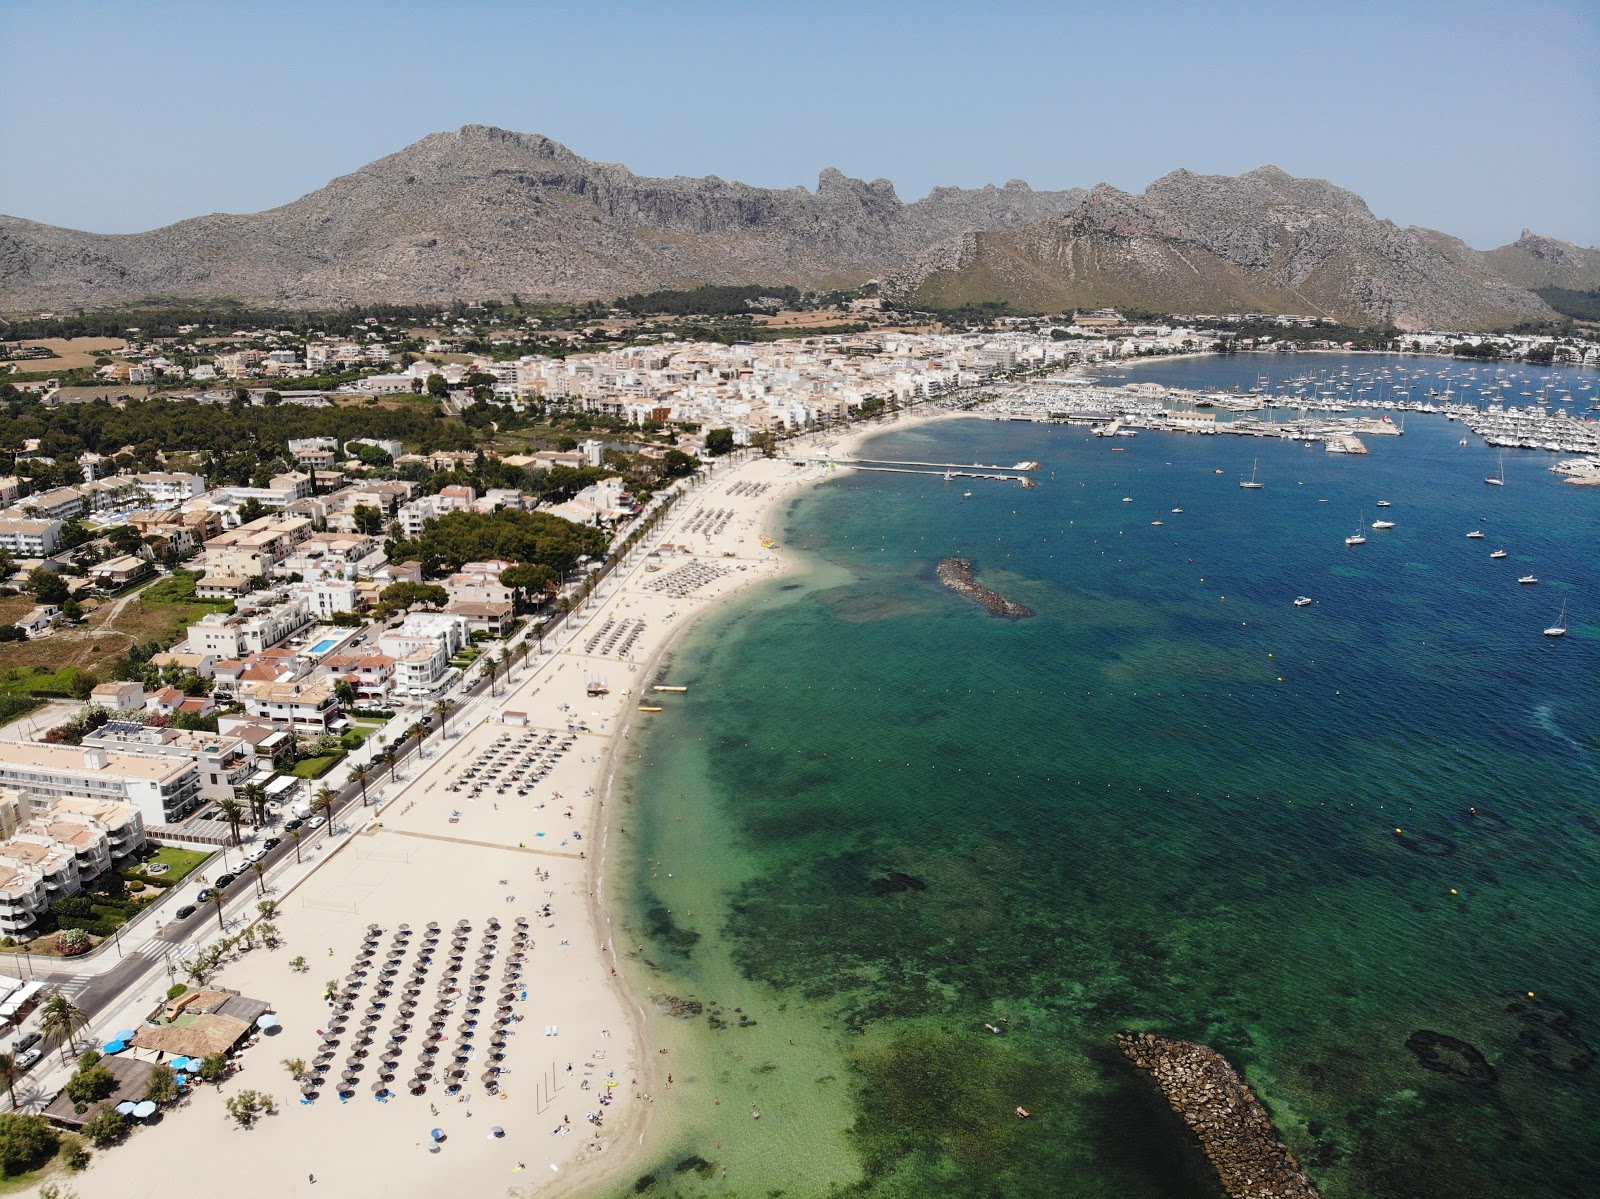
<point>1264,241</point>
<point>486,213</point>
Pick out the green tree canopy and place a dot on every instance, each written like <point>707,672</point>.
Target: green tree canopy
<point>25,1142</point>
<point>719,442</point>
<point>47,586</point>
<point>444,545</point>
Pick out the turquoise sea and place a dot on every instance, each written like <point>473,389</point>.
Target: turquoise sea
<point>882,819</point>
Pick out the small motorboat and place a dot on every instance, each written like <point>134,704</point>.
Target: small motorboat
<point>1023,1113</point>
<point>1303,601</point>
<point>1477,534</point>
<point>1385,504</point>
<point>1501,554</point>
<point>1528,580</point>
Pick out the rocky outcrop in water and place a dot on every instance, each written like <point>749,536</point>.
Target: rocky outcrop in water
<point>956,574</point>
<point>1234,1129</point>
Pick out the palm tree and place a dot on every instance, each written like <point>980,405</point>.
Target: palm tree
<point>217,899</point>
<point>256,796</point>
<point>259,869</point>
<point>233,812</point>
<point>442,709</point>
<point>490,668</point>
<point>10,1072</point>
<point>505,665</point>
<point>60,1021</point>
<point>389,757</point>
<point>323,803</point>
<point>415,733</point>
<point>296,835</point>
<point>361,774</point>
<point>268,908</point>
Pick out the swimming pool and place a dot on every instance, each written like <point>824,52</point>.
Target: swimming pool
<point>324,645</point>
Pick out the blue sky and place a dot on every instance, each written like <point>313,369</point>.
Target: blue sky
<point>1472,118</point>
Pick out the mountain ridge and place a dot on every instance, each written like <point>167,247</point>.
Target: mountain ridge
<point>482,212</point>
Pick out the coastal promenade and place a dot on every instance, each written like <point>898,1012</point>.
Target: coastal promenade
<point>460,839</point>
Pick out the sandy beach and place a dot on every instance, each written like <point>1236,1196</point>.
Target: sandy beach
<point>504,820</point>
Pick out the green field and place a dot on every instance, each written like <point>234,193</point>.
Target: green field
<point>180,863</point>
<point>315,768</point>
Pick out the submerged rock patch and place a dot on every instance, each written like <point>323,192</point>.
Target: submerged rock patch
<point>1447,1055</point>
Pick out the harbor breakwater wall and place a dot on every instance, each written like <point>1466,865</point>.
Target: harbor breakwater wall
<point>956,574</point>
<point>1234,1129</point>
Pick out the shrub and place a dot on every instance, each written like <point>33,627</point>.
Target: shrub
<point>107,1128</point>
<point>163,1086</point>
<point>249,1106</point>
<point>25,1142</point>
<point>74,1154</point>
<point>175,990</point>
<point>72,941</point>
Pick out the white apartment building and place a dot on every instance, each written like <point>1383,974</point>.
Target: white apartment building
<point>61,504</point>
<point>422,648</point>
<point>479,583</point>
<point>164,788</point>
<point>29,537</point>
<point>241,634</point>
<point>418,512</point>
<point>224,762</point>
<point>325,597</point>
<point>310,708</point>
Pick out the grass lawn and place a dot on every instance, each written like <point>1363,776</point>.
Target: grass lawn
<point>315,768</point>
<point>179,862</point>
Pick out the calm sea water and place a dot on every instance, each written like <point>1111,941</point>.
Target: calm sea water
<point>881,820</point>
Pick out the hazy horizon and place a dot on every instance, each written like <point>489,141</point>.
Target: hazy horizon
<point>168,112</point>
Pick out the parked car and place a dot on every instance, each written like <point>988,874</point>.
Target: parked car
<point>205,895</point>
<point>292,823</point>
<point>316,822</point>
<point>224,880</point>
<point>185,911</point>
<point>271,843</point>
<point>28,1058</point>
<point>27,1042</point>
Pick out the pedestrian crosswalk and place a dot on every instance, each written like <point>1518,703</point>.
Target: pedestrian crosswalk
<point>74,986</point>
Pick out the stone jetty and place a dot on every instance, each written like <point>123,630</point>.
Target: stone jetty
<point>956,574</point>
<point>1234,1130</point>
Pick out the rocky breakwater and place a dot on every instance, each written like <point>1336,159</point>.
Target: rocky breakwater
<point>1234,1129</point>
<point>956,574</point>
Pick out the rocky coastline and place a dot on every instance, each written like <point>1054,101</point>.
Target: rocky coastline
<point>1234,1129</point>
<point>956,574</point>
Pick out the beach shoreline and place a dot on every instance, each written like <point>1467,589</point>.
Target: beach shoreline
<point>606,892</point>
<point>453,841</point>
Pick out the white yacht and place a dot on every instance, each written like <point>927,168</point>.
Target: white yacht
<point>1498,554</point>
<point>1383,524</point>
<point>1305,601</point>
<point>1559,629</point>
<point>1528,580</point>
<point>1385,504</point>
<point>1477,534</point>
<point>1499,478</point>
<point>1251,484</point>
<point>1358,537</point>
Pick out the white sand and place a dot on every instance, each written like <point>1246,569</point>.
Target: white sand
<point>417,866</point>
